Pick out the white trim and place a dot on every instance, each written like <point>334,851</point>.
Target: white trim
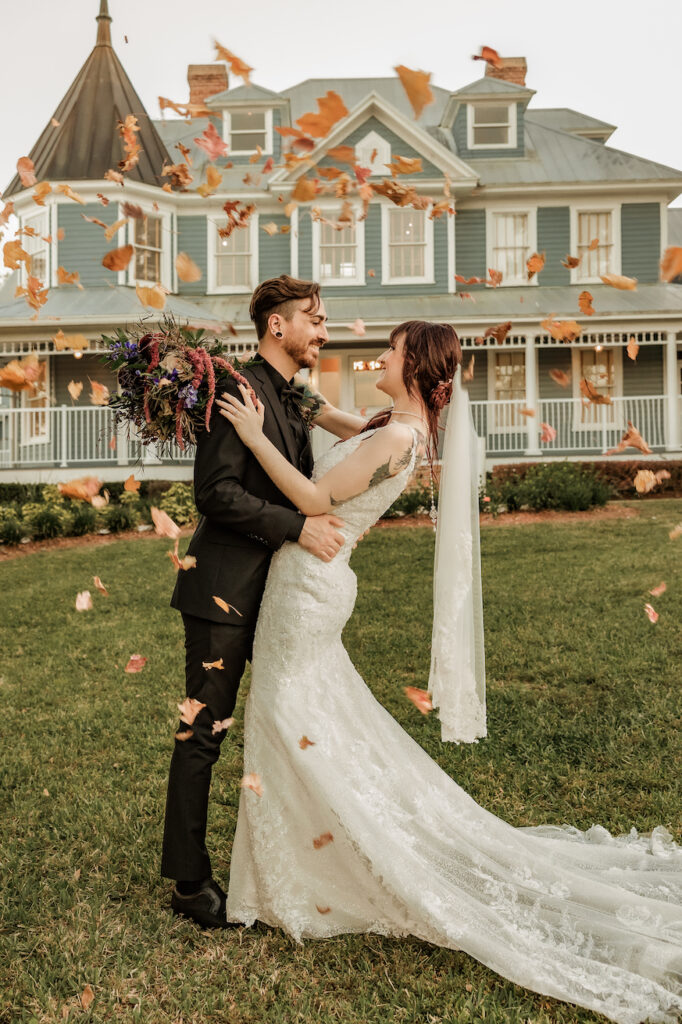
<point>595,207</point>
<point>576,377</point>
<point>512,124</point>
<point>512,208</point>
<point>664,226</point>
<point>214,289</point>
<point>452,261</point>
<point>50,276</point>
<point>373,140</point>
<point>26,412</point>
<point>53,222</point>
<point>165,263</point>
<point>428,277</point>
<point>268,131</point>
<point>293,242</point>
<point>328,210</point>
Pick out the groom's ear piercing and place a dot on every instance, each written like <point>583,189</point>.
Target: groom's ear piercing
<point>278,334</point>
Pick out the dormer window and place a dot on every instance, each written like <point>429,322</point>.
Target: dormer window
<point>374,152</point>
<point>247,129</point>
<point>491,125</point>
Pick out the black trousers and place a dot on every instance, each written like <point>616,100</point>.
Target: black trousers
<point>184,854</point>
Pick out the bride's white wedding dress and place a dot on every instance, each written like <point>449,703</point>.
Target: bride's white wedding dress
<point>358,830</point>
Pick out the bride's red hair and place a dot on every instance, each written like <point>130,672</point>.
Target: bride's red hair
<point>432,353</point>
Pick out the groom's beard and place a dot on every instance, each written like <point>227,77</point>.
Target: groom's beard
<point>304,353</point>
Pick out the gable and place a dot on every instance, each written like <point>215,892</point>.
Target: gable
<point>397,145</point>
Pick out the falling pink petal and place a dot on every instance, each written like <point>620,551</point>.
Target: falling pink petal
<point>657,591</point>
<point>653,615</point>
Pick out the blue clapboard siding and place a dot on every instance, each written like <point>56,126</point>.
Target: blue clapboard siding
<point>192,239</point>
<point>459,131</point>
<point>553,359</point>
<point>398,147</point>
<point>554,239</point>
<point>470,254</point>
<point>640,227</point>
<point>84,244</point>
<point>644,376</point>
<point>274,251</point>
<point>305,244</point>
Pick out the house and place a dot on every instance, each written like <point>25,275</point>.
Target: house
<point>521,180</point>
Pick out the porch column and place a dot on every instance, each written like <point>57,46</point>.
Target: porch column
<point>672,432</point>
<point>532,447</point>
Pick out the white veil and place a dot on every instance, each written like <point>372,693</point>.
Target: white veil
<point>457,677</point>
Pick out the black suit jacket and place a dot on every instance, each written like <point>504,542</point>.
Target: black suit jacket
<point>244,517</point>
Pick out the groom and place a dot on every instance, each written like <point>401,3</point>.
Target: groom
<point>244,519</point>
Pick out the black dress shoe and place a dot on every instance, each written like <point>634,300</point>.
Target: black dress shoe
<point>206,906</point>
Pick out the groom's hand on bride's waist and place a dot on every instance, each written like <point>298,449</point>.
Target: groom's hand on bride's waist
<point>320,536</point>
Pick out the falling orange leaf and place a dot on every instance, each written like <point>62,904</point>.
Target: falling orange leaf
<point>237,66</point>
<point>132,485</point>
<point>585,303</point>
<point>270,228</point>
<point>69,342</point>
<point>548,432</point>
<point>652,615</point>
<point>645,481</point>
<point>405,165</point>
<point>305,190</point>
<point>42,189</point>
<point>671,263</point>
<point>305,742</point>
<point>322,910</point>
<point>186,267</point>
<point>632,348</point>
<point>624,284</point>
<point>494,277</point>
<point>490,56</point>
<point>163,524</point>
<point>26,170</point>
<point>188,562</point>
<point>593,245</point>
<point>660,589</point>
<point>534,264</point>
<point>221,726</point>
<point>100,586</point>
<point>331,109</point>
<point>64,277</point>
<point>213,180</point>
<point>631,439</point>
<point>154,297</point>
<point>111,229</point>
<point>136,663</point>
<point>85,488</point>
<point>213,664</point>
<point>14,254</point>
<point>211,142</point>
<point>371,273</point>
<point>189,709</point>
<point>6,213</point>
<point>323,840</point>
<point>590,392</point>
<point>114,176</point>
<point>83,601</point>
<point>570,262</point>
<point>36,295</point>
<point>252,781</point>
<point>20,374</point>
<point>499,333</point>
<point>128,130</point>
<point>184,735</point>
<point>67,191</point>
<point>562,330</point>
<point>560,378</point>
<point>74,388</point>
<point>99,393</point>
<point>526,412</point>
<point>225,606</point>
<point>416,85</point>
<point>420,699</point>
<point>118,259</point>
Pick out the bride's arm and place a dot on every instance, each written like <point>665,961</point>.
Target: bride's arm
<point>383,454</point>
<point>336,421</point>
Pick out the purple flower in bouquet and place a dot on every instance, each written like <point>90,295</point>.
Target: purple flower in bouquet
<point>188,394</point>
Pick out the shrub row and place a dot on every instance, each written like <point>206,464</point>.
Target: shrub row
<point>619,474</point>
<point>546,485</point>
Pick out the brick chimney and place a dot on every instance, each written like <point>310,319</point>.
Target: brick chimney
<point>513,70</point>
<point>205,80</point>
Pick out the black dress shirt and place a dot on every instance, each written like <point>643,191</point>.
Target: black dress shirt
<point>295,420</point>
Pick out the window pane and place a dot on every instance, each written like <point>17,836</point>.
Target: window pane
<point>407,243</point>
<point>148,232</point>
<point>338,252</point>
<point>594,262</point>
<point>511,248</point>
<point>485,114</point>
<point>233,259</point>
<point>488,136</point>
<point>510,375</point>
<point>36,246</point>
<point>237,242</point>
<point>147,265</point>
<point>247,140</point>
<point>248,121</point>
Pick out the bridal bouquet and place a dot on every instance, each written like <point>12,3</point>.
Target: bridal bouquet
<point>167,381</point>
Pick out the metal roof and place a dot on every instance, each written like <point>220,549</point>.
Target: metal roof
<point>488,86</point>
<point>67,304</point>
<point>303,96</point>
<point>568,120</point>
<point>241,93</point>
<point>86,144</point>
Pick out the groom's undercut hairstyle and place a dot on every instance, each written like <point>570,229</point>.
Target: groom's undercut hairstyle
<point>280,295</point>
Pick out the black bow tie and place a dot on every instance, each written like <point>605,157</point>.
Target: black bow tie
<point>299,399</point>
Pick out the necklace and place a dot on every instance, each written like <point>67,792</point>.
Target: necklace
<point>400,412</point>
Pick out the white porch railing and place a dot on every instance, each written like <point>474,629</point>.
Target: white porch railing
<point>79,437</point>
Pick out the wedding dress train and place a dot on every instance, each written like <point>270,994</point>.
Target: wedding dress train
<point>359,830</point>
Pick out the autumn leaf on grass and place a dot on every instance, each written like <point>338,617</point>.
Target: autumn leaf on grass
<point>225,606</point>
<point>675,532</point>
<point>221,726</point>
<point>212,143</point>
<point>653,615</point>
<point>585,303</point>
<point>213,664</point>
<point>132,485</point>
<point>154,297</point>
<point>186,267</point>
<point>632,348</point>
<point>420,699</point>
<point>83,601</point>
<point>237,66</point>
<point>331,109</point>
<point>560,378</point>
<point>671,263</point>
<point>99,393</point>
<point>570,262</point>
<point>660,589</point>
<point>252,781</point>
<point>189,709</point>
<point>74,388</point>
<point>163,524</point>
<point>136,663</point>
<point>323,840</point>
<point>118,259</point>
<point>489,55</point>
<point>405,165</point>
<point>100,586</point>
<point>305,742</point>
<point>631,439</point>
<point>548,432</point>
<point>416,85</point>
<point>534,264</point>
<point>624,284</point>
<point>87,997</point>
<point>26,171</point>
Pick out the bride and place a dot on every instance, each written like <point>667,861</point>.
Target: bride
<point>345,823</point>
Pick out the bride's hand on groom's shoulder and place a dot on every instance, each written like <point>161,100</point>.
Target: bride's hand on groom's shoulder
<point>245,417</point>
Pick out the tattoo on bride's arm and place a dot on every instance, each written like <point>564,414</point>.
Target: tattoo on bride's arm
<point>382,473</point>
<point>404,459</point>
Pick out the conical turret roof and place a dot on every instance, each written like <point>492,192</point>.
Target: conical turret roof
<point>86,143</point>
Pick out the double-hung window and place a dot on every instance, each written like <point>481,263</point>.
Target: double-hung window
<point>340,253</point>
<point>491,125</point>
<point>35,426</point>
<point>512,244</point>
<point>408,246</point>
<point>602,369</point>
<point>246,130</point>
<point>507,385</point>
<point>232,260</point>
<point>595,246</point>
<point>148,242</point>
<point>33,241</point>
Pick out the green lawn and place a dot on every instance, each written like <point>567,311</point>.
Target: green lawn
<point>584,726</point>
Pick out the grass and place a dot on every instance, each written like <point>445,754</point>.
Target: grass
<point>583,721</point>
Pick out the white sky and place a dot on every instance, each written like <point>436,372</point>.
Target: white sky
<point>618,60</point>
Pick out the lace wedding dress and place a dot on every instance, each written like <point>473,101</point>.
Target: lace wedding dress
<point>358,830</point>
